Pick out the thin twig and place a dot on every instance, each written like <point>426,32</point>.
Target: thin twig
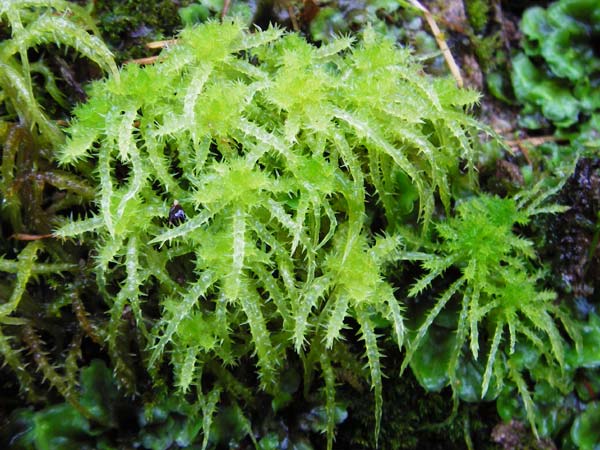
<point>143,61</point>
<point>439,38</point>
<point>292,15</point>
<point>534,141</point>
<point>225,9</point>
<point>30,237</point>
<point>160,44</point>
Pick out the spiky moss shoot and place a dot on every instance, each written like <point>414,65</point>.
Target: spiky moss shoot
<point>34,25</point>
<point>269,145</point>
<point>498,291</point>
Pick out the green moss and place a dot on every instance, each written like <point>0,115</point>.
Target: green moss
<point>270,153</point>
<point>33,27</point>
<point>478,12</point>
<point>488,50</point>
<point>296,168</point>
<point>127,25</point>
<point>414,418</point>
<point>495,278</point>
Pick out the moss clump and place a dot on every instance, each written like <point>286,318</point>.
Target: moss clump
<point>126,25</point>
<point>413,417</point>
<point>478,12</point>
<point>33,26</point>
<point>270,151</point>
<point>498,291</point>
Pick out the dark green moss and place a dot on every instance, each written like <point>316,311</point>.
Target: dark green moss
<point>488,50</point>
<point>413,418</point>
<point>478,12</point>
<point>127,25</point>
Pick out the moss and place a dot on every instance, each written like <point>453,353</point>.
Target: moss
<point>488,50</point>
<point>414,418</point>
<point>243,167</point>
<point>127,25</point>
<point>35,27</point>
<point>478,12</point>
<point>273,179</point>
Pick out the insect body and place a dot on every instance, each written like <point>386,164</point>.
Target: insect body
<point>176,214</point>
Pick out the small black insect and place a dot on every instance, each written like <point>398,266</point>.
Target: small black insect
<point>176,214</point>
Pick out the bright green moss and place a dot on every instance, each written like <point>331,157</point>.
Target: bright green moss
<point>500,302</point>
<point>270,146</point>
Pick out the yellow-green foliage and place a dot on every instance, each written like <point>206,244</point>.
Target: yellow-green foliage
<point>36,23</point>
<point>500,303</point>
<point>270,146</point>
